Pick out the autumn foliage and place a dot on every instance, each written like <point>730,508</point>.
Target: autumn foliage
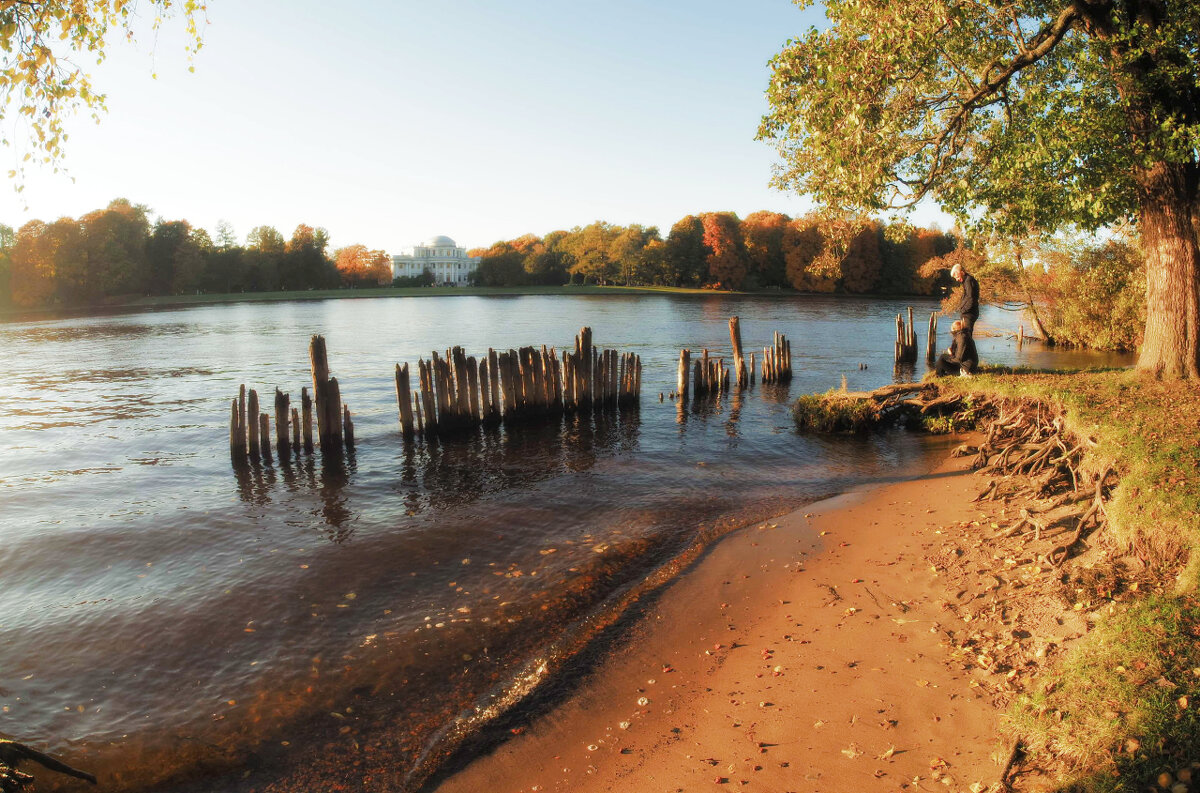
<point>359,265</point>
<point>116,254</point>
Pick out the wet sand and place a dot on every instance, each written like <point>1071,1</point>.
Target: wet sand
<point>806,654</point>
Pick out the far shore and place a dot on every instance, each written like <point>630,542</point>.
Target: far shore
<point>588,290</point>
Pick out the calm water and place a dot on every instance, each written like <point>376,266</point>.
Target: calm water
<point>162,615</point>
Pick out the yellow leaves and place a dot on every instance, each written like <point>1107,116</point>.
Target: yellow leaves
<point>34,83</point>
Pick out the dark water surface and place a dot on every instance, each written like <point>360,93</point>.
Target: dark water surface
<point>162,614</point>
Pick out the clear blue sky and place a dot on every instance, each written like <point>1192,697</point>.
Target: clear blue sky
<point>389,122</point>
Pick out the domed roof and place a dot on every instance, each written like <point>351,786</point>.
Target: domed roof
<point>440,242</point>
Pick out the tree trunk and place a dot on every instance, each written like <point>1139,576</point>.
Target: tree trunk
<point>1030,305</point>
<point>1170,348</point>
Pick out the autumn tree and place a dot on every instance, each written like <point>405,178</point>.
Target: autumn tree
<point>7,240</point>
<point>499,265</point>
<point>304,264</point>
<point>191,262</point>
<point>762,233</point>
<point>805,257</point>
<point>115,241</point>
<point>41,79</point>
<point>73,283</point>
<point>589,248</point>
<point>266,239</point>
<point>358,265</point>
<point>684,260</point>
<point>725,255</point>
<point>1013,117</point>
<point>164,241</point>
<point>32,257</point>
<point>628,251</point>
<point>550,265</point>
<point>863,260</point>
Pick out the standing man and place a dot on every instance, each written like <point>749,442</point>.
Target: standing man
<point>968,306</point>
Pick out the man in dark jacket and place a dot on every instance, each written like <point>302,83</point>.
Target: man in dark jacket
<point>961,358</point>
<point>968,305</point>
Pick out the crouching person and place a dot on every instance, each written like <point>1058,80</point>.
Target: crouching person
<point>961,357</point>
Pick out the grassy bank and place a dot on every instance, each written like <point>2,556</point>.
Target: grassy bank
<point>1119,707</point>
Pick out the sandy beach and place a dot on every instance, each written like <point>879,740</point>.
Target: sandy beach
<point>807,653</point>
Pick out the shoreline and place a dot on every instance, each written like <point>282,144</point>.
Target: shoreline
<point>803,653</point>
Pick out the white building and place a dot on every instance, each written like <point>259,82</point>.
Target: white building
<point>449,263</point>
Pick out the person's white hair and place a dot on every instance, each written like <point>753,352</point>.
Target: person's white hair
<point>956,269</point>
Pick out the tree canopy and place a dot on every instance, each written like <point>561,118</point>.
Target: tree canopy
<point>1013,116</point>
<point>41,82</point>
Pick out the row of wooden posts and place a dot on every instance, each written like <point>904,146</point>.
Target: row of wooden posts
<point>250,429</point>
<point>458,391</point>
<point>708,375</point>
<point>453,392</point>
<point>906,339</point>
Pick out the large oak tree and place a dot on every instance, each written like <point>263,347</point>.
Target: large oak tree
<point>1012,116</point>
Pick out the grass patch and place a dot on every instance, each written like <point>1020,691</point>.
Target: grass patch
<point>961,420</point>
<point>833,413</point>
<point>1122,707</point>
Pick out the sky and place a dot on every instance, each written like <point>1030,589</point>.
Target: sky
<point>390,122</point>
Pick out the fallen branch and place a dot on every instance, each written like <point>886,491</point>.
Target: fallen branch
<point>13,754</point>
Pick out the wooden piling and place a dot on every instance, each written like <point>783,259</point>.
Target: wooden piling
<point>473,390</point>
<point>441,392</point>
<point>739,363</point>
<point>485,391</point>
<point>404,400</point>
<point>906,339</point>
<point>462,385</point>
<point>931,340</point>
<point>282,416</point>
<point>584,346</point>
<point>334,414</point>
<point>319,361</point>
<point>306,405</point>
<point>347,427</point>
<point>253,437</point>
<point>295,432</point>
<point>494,378</point>
<point>428,399</point>
<point>264,436</point>
<point>237,443</point>
<point>242,413</point>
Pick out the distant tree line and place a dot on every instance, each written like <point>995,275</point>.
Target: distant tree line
<point>116,253</point>
<point>766,250</point>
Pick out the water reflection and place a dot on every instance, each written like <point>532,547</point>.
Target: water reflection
<point>441,473</point>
